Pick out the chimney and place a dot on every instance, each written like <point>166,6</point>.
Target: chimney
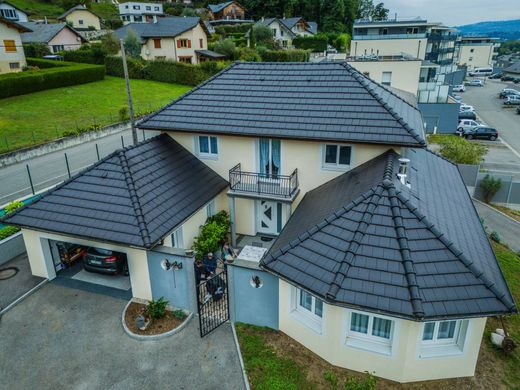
<point>404,165</point>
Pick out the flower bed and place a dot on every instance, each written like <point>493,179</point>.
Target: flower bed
<point>167,324</point>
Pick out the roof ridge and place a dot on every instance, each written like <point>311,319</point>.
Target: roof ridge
<point>134,198</point>
<point>354,244</point>
<point>197,87</point>
<point>363,81</point>
<point>470,265</point>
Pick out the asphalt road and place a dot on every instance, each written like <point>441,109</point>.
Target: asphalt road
<point>50,169</point>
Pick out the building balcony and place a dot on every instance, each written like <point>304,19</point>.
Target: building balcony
<point>441,37</point>
<point>261,185</point>
<point>388,36</point>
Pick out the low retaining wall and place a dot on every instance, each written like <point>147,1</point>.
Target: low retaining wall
<point>19,155</point>
<point>11,247</point>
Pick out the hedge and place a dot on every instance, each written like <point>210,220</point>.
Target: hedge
<point>114,67</point>
<point>233,28</point>
<point>316,44</point>
<point>53,74</point>
<point>295,55</point>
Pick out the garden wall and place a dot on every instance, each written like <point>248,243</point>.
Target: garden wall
<point>11,247</point>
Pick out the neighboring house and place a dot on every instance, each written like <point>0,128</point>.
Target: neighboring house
<point>135,12</point>
<point>230,10</point>
<point>81,18</point>
<point>10,12</point>
<point>512,70</point>
<point>477,52</point>
<point>286,29</point>
<point>57,36</point>
<point>376,258</point>
<point>12,58</point>
<point>177,38</point>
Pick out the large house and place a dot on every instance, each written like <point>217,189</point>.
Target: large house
<point>81,18</point>
<point>373,257</point>
<point>176,38</point>
<point>286,29</point>
<point>11,12</point>
<point>136,12</point>
<point>57,36</point>
<point>228,11</point>
<point>13,56</point>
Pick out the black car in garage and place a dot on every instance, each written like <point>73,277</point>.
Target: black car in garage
<point>105,261</point>
<point>481,132</point>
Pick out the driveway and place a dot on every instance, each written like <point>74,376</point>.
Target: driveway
<point>507,228</point>
<point>65,338</point>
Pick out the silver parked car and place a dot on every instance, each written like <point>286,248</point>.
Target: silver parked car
<point>466,124</point>
<point>512,100</point>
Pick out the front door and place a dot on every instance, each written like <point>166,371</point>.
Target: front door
<point>269,217</point>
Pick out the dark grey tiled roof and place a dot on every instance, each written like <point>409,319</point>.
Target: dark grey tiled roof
<point>165,27</point>
<point>515,68</point>
<point>324,101</point>
<point>364,240</point>
<point>210,54</point>
<point>218,7</point>
<point>41,32</point>
<point>135,196</point>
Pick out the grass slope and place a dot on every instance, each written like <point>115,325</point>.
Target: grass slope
<point>49,113</point>
<point>37,9</point>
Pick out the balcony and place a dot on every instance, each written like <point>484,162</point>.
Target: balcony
<point>388,36</point>
<point>254,184</point>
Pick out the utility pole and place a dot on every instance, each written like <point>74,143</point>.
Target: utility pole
<point>128,93</point>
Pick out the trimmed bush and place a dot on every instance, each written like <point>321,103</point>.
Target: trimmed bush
<point>315,44</point>
<point>114,67</point>
<point>8,231</point>
<point>296,55</point>
<point>233,28</point>
<point>180,73</point>
<point>52,74</point>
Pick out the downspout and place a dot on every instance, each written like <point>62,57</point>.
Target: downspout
<point>175,49</point>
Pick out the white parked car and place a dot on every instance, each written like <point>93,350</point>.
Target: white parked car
<point>459,88</point>
<point>476,83</point>
<point>466,107</point>
<point>512,100</point>
<point>466,124</point>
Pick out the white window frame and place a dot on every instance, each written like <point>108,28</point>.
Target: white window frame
<point>177,238</point>
<point>336,166</point>
<point>210,155</point>
<point>368,341</point>
<point>304,315</point>
<point>444,347</point>
<point>211,209</point>
<point>383,81</point>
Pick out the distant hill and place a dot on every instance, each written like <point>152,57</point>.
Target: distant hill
<point>503,29</point>
<point>39,9</point>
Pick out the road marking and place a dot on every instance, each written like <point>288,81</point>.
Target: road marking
<point>510,147</point>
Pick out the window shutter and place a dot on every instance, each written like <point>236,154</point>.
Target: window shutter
<point>189,43</point>
<point>178,43</point>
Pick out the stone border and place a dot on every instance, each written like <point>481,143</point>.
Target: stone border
<point>496,210</point>
<point>241,360</point>
<point>154,336</point>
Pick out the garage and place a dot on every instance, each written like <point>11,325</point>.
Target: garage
<point>91,268</point>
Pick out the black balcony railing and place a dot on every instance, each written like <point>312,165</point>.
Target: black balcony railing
<point>263,184</point>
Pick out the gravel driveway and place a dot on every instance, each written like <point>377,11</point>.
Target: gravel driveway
<point>66,338</point>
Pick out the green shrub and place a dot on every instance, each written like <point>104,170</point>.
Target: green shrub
<point>368,382</point>
<point>123,114</point>
<point>52,74</point>
<point>157,309</point>
<point>490,186</point>
<point>295,55</point>
<point>180,73</point>
<point>233,29</point>
<point>179,314</point>
<point>35,49</point>
<point>8,231</point>
<point>13,206</point>
<point>248,54</point>
<point>495,237</point>
<point>313,43</point>
<point>93,54</point>
<point>330,377</point>
<point>114,67</point>
<point>226,47</point>
<point>212,234</point>
<point>459,150</point>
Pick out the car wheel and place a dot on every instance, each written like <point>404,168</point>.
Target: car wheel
<point>492,138</point>
<point>459,129</point>
<point>469,136</point>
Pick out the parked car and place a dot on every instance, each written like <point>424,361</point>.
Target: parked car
<point>466,124</point>
<point>459,88</point>
<point>457,98</point>
<point>516,81</point>
<point>495,76</point>
<point>466,107</point>
<point>512,100</point>
<point>508,92</point>
<point>467,115</point>
<point>476,83</point>
<point>481,132</point>
<point>506,78</point>
<point>518,110</point>
<point>481,72</point>
<point>105,261</point>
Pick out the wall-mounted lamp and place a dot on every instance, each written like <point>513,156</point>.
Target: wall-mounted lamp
<point>166,265</point>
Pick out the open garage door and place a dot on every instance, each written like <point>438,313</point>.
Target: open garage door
<point>94,269</point>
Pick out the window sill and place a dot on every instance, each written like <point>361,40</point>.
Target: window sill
<point>369,345</point>
<point>433,351</point>
<point>307,320</point>
<point>208,156</point>
<point>336,168</point>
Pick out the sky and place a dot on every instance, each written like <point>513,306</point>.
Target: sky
<point>454,12</point>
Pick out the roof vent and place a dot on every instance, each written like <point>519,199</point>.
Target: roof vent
<point>404,165</point>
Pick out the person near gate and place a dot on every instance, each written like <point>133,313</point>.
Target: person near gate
<point>228,253</point>
<point>210,263</point>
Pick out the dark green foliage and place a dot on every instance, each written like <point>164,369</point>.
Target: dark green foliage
<point>36,50</point>
<point>490,186</point>
<point>508,47</point>
<point>263,36</point>
<point>132,45</point>
<point>114,67</point>
<point>212,234</point>
<point>495,236</point>
<point>313,43</point>
<point>157,309</point>
<point>13,206</point>
<point>179,314</point>
<point>368,382</point>
<point>249,55</point>
<point>226,47</point>
<point>123,114</point>
<point>233,29</point>
<point>295,55</point>
<point>51,74</point>
<point>92,54</point>
<point>8,231</point>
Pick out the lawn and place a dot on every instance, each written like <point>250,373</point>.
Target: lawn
<point>38,8</point>
<point>275,361</point>
<point>46,115</point>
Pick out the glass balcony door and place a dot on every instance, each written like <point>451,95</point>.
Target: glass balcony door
<point>269,152</point>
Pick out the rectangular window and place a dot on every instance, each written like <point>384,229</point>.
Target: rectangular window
<point>386,78</point>
<point>138,18</point>
<point>337,156</point>
<point>148,8</point>
<point>201,43</point>
<point>80,21</point>
<point>307,309</point>
<point>443,338</point>
<point>10,45</point>
<point>177,241</point>
<point>137,7</point>
<point>156,8</point>
<point>274,32</point>
<point>207,146</point>
<point>211,209</point>
<point>369,332</point>
<point>185,59</point>
<point>9,14</point>
<point>157,43</point>
<point>183,43</point>
<point>57,48</point>
<point>14,65</point>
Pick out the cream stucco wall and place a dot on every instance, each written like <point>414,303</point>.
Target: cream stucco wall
<point>481,57</point>
<point>9,33</point>
<point>42,266</point>
<point>405,74</point>
<point>416,47</point>
<point>67,38</point>
<point>169,49</point>
<point>306,156</point>
<point>402,365</point>
<point>88,18</point>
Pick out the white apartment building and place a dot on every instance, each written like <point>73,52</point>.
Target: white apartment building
<point>135,12</point>
<point>477,52</point>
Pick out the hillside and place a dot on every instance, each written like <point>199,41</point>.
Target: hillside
<point>503,29</point>
<point>38,9</point>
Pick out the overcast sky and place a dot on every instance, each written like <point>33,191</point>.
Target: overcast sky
<point>455,12</point>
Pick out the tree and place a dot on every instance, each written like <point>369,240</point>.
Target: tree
<point>490,187</point>
<point>380,12</point>
<point>187,11</point>
<point>264,36</point>
<point>35,50</point>
<point>367,10</point>
<point>226,47</point>
<point>110,44</point>
<point>132,44</point>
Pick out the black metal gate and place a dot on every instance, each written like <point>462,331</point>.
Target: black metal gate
<point>213,302</point>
